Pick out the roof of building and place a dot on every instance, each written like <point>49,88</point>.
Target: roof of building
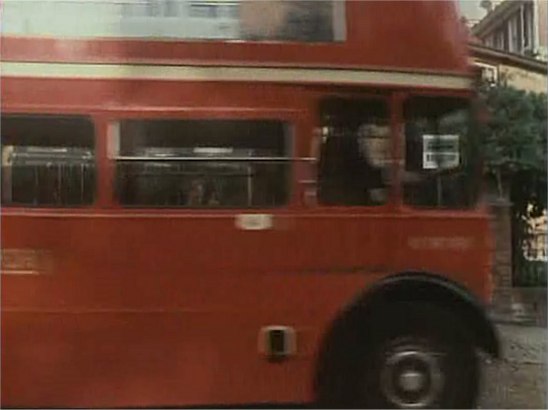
<point>516,60</point>
<point>472,39</point>
<point>495,16</point>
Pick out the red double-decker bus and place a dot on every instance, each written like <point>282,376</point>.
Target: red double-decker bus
<point>224,202</point>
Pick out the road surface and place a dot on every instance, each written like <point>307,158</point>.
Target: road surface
<point>518,381</point>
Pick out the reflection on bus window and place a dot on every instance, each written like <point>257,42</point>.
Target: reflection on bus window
<point>439,171</point>
<point>355,155</point>
<point>296,20</point>
<point>47,161</point>
<point>243,20</point>
<point>203,163</point>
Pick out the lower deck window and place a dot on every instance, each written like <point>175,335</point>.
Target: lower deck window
<point>441,155</point>
<point>355,151</point>
<point>47,161</point>
<point>202,164</point>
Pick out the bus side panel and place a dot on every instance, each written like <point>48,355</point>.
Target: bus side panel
<point>161,311</point>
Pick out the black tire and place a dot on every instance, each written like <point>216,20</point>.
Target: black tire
<point>353,366</point>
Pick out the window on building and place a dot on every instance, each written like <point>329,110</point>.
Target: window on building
<point>355,153</point>
<point>514,45</point>
<point>440,157</point>
<point>498,40</point>
<point>519,22</point>
<point>489,74</point>
<point>501,39</point>
<point>202,163</point>
<point>528,24</point>
<point>47,161</point>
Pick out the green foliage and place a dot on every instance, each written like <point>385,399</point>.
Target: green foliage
<point>514,145</point>
<point>515,150</point>
<point>515,136</point>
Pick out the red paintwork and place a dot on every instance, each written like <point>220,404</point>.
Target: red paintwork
<point>147,307</point>
<point>403,35</point>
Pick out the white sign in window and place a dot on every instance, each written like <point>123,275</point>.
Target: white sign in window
<point>440,151</point>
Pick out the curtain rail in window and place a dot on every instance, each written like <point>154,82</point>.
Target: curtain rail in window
<point>210,159</point>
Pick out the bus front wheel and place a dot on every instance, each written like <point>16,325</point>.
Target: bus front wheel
<point>412,356</point>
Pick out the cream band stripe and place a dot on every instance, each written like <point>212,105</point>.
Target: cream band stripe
<point>246,74</point>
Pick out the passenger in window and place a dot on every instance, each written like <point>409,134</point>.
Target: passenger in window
<point>374,141</point>
<point>353,170</point>
<point>213,200</point>
<point>350,171</point>
<point>211,195</point>
<point>7,163</point>
<point>196,194</point>
<point>367,162</point>
<point>413,148</point>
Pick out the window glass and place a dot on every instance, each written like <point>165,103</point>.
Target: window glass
<point>440,153</point>
<point>204,9</point>
<point>514,45</point>
<point>171,8</point>
<point>264,20</point>
<point>528,24</point>
<point>501,39</point>
<point>203,163</point>
<point>47,161</point>
<point>355,153</point>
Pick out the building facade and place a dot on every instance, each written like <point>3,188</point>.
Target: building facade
<point>515,26</point>
<point>519,71</point>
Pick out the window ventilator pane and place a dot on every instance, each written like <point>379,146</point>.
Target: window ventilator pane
<point>36,186</point>
<point>249,187</point>
<point>82,170</point>
<point>60,192</point>
<point>238,159</point>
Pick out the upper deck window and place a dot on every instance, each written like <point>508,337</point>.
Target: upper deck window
<point>202,163</point>
<point>265,20</point>
<point>47,161</point>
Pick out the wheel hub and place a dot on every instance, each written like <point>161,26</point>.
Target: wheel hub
<point>411,380</point>
<point>411,376</point>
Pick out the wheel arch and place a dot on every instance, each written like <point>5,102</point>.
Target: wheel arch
<point>405,287</point>
<point>416,286</point>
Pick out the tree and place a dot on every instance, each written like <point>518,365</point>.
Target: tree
<point>515,149</point>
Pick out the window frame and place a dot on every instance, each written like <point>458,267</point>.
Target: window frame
<point>96,149</point>
<point>514,45</point>
<point>387,97</point>
<point>528,24</point>
<point>431,209</point>
<point>289,117</point>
